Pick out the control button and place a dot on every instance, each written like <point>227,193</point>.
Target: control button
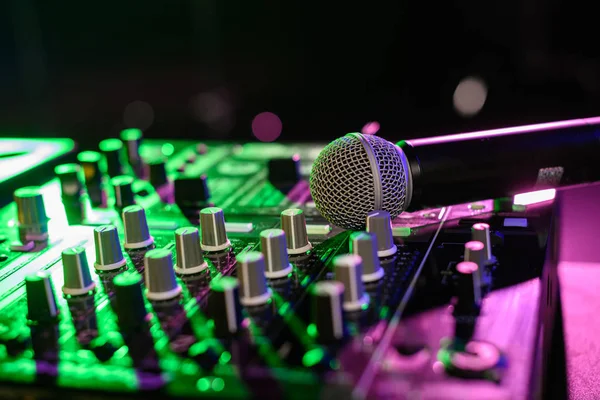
<point>273,246</point>
<point>122,186</point>
<point>293,224</point>
<point>160,277</point>
<point>137,234</point>
<point>224,306</point>
<point>94,170</point>
<point>31,213</point>
<point>133,139</point>
<point>71,179</point>
<point>327,312</point>
<point>129,300</point>
<point>76,272</point>
<point>251,274</point>
<point>284,173</point>
<point>379,223</point>
<point>189,252</point>
<point>158,173</point>
<point>212,224</point>
<point>474,252</point>
<point>348,271</point>
<point>469,289</point>
<point>191,192</point>
<point>480,232</point>
<point>41,298</point>
<point>113,152</point>
<point>109,255</point>
<point>364,244</point>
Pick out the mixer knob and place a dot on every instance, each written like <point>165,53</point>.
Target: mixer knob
<point>214,235</point>
<point>137,234</point>
<point>273,246</point>
<point>327,312</point>
<point>189,253</point>
<point>71,179</point>
<point>469,289</point>
<point>379,223</point>
<point>348,271</point>
<point>109,255</point>
<point>251,274</point>
<point>480,232</point>
<point>113,153</point>
<point>284,173</point>
<point>191,191</point>
<point>364,244</point>
<point>224,306</point>
<point>293,224</point>
<point>31,213</point>
<point>123,188</point>
<point>160,277</point>
<point>129,300</point>
<point>41,299</point>
<point>133,139</point>
<point>94,169</point>
<point>158,173</point>
<point>76,272</point>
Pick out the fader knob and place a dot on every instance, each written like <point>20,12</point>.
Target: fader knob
<point>137,234</point>
<point>469,289</point>
<point>122,186</point>
<point>160,277</point>
<point>251,274</point>
<point>76,272</point>
<point>480,232</point>
<point>94,169</point>
<point>273,246</point>
<point>109,255</point>
<point>133,139</point>
<point>293,224</point>
<point>129,300</point>
<point>31,213</point>
<point>327,312</point>
<point>224,306</point>
<point>379,223</point>
<point>214,235</point>
<point>189,253</point>
<point>474,252</point>
<point>41,299</point>
<point>113,152</point>
<point>364,244</point>
<point>348,271</point>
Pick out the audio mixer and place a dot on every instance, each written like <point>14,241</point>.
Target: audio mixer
<point>186,269</point>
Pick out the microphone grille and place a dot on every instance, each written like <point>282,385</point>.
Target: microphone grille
<point>343,185</point>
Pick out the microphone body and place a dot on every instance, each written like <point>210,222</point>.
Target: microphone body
<point>502,162</point>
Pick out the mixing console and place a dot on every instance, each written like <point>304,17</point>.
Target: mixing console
<point>204,270</point>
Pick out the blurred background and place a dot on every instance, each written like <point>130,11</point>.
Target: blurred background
<point>301,70</point>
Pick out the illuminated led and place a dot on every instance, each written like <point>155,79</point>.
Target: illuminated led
<point>525,199</point>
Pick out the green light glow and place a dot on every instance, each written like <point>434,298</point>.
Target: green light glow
<point>63,169</point>
<point>131,134</point>
<point>225,357</point>
<point>29,191</point>
<point>218,384</point>
<point>110,144</point>
<point>167,149</point>
<point>127,278</point>
<point>203,384</point>
<point>313,357</point>
<point>223,284</point>
<point>89,156</point>
<point>122,180</point>
<point>312,330</point>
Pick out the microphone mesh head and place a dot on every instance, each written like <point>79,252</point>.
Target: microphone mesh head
<point>343,184</point>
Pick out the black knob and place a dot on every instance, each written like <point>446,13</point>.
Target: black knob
<point>327,311</point>
<point>191,192</point>
<point>158,173</point>
<point>224,306</point>
<point>284,173</point>
<point>113,152</point>
<point>469,289</point>
<point>133,139</point>
<point>123,188</point>
<point>41,298</point>
<point>94,171</point>
<point>129,300</point>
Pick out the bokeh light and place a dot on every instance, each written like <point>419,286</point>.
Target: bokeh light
<point>266,126</point>
<point>469,96</point>
<point>138,114</point>
<point>370,128</point>
<point>214,109</point>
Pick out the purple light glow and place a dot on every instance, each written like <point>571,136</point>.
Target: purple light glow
<point>525,199</point>
<point>505,131</point>
<point>371,128</point>
<point>266,127</point>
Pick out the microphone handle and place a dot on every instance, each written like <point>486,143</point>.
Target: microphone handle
<point>498,163</point>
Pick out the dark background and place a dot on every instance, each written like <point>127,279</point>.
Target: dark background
<point>205,68</point>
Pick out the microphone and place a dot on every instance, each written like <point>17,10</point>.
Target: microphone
<point>360,173</point>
